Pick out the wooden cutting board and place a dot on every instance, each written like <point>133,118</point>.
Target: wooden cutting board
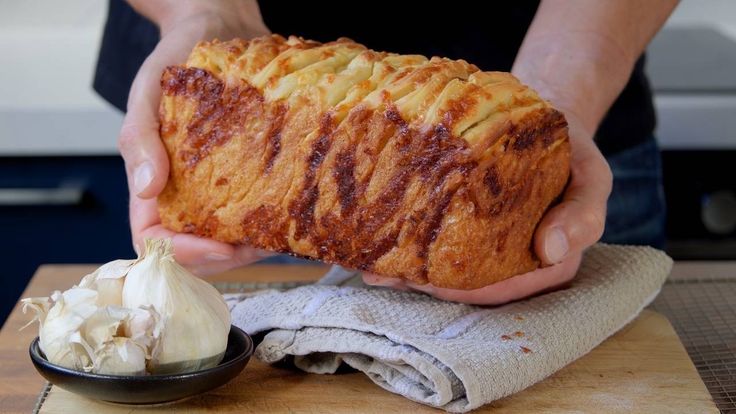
<point>643,368</point>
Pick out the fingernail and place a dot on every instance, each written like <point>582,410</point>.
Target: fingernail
<point>142,177</point>
<point>264,253</point>
<point>422,288</point>
<point>217,257</point>
<point>202,271</point>
<point>384,281</point>
<point>556,245</point>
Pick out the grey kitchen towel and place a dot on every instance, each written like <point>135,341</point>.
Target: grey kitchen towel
<point>448,355</point>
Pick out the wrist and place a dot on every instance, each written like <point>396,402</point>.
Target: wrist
<point>232,17</point>
<point>581,74</point>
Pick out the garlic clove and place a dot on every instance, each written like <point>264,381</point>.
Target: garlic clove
<point>121,356</point>
<point>103,325</point>
<point>110,323</point>
<point>144,326</point>
<point>68,312</point>
<point>81,352</point>
<point>110,291</point>
<point>108,281</point>
<point>111,270</point>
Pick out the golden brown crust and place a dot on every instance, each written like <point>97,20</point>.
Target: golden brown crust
<point>429,170</point>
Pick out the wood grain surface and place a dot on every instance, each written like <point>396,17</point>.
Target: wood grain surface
<point>643,368</point>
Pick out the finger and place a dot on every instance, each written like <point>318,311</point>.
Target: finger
<point>515,288</point>
<point>246,255</point>
<point>146,162</point>
<point>243,256</point>
<point>143,214</point>
<point>578,221</point>
<point>372,279</point>
<point>206,255</point>
<point>189,249</point>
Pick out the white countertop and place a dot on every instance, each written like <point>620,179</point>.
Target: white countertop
<point>47,105</point>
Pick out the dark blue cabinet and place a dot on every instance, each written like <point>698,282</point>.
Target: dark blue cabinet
<point>59,210</point>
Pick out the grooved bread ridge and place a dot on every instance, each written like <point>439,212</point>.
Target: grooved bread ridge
<point>423,169</point>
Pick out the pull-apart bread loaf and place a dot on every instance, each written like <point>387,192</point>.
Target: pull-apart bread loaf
<point>423,169</point>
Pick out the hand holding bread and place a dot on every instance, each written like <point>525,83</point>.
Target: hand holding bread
<point>204,252</point>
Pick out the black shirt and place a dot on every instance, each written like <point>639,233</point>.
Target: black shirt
<point>458,31</point>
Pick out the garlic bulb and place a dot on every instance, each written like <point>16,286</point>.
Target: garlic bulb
<point>133,317</point>
<point>195,318</point>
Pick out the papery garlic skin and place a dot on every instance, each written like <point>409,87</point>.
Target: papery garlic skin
<point>40,306</point>
<point>66,314</point>
<point>103,325</point>
<point>195,319</point>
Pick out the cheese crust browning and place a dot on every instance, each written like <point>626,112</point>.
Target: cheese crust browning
<point>424,169</point>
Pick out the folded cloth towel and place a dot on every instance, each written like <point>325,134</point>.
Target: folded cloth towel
<point>448,355</point>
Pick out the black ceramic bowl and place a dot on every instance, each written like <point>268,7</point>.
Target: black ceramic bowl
<point>149,389</point>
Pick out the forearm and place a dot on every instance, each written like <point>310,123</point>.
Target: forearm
<point>579,54</point>
<point>236,15</point>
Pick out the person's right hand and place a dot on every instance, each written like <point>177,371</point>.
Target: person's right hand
<point>562,235</point>
<point>183,23</point>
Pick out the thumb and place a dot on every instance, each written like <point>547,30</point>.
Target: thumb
<point>146,162</point>
<point>578,221</point>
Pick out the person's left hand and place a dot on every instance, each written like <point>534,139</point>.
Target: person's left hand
<point>561,237</point>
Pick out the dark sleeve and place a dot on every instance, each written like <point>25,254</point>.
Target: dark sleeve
<point>127,40</point>
<point>631,119</point>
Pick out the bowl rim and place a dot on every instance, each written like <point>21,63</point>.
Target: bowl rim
<point>40,359</point>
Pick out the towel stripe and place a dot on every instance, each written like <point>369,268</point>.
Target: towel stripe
<point>461,324</point>
<point>321,297</point>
